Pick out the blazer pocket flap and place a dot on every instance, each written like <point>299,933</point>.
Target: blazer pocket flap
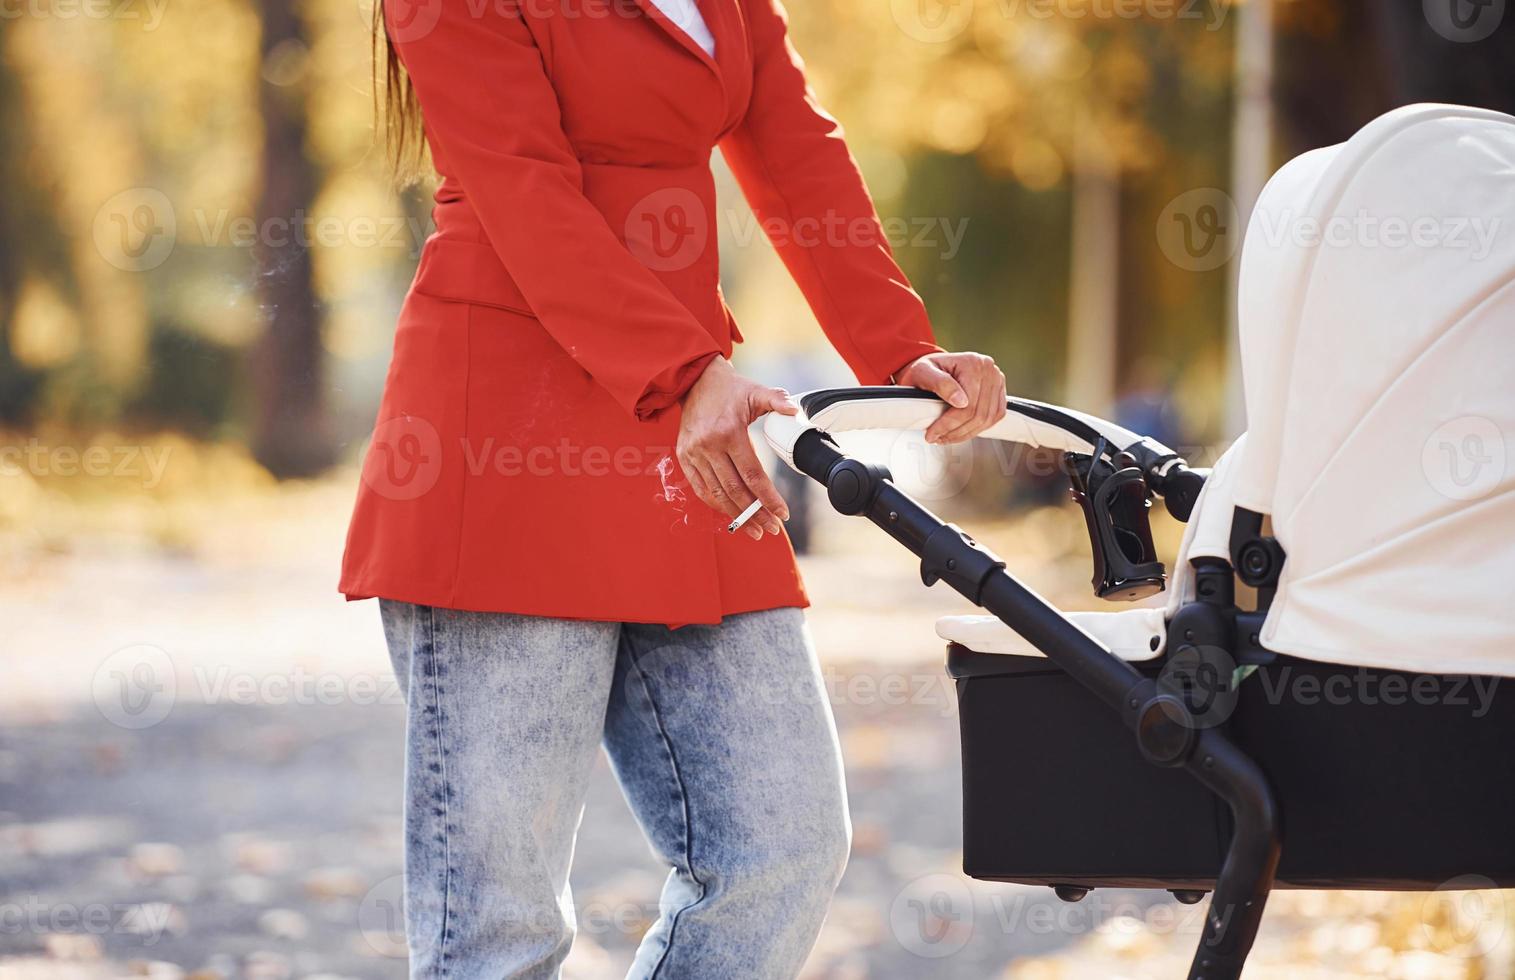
<point>467,272</point>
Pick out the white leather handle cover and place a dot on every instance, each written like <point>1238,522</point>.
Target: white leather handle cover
<point>1027,422</point>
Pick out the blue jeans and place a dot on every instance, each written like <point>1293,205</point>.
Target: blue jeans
<point>723,742</point>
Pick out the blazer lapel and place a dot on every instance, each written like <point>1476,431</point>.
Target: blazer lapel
<point>654,14</point>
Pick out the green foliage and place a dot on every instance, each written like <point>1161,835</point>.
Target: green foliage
<point>1004,292</point>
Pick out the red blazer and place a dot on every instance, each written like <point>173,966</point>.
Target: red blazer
<point>523,456</point>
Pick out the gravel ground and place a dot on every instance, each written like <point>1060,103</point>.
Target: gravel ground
<point>243,821</point>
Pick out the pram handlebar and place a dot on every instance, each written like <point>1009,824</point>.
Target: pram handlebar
<point>1165,731</point>
<point>1027,422</point>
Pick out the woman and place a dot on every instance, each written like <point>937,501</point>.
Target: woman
<point>561,442</point>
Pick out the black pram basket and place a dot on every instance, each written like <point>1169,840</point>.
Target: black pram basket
<point>1385,780</point>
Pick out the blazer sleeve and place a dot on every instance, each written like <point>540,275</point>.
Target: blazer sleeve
<point>798,176</point>
<point>494,125</point>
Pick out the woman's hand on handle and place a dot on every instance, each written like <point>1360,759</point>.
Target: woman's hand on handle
<point>972,386</point>
<point>716,452</point>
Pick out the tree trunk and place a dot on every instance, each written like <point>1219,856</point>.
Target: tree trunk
<point>1251,165</point>
<point>29,237</point>
<point>1094,283</point>
<point>293,436</point>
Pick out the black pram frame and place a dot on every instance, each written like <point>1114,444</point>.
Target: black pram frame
<point>1167,733</point>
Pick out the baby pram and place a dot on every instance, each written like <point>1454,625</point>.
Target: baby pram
<point>1349,727</point>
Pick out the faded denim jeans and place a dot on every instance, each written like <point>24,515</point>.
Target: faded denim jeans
<point>723,742</point>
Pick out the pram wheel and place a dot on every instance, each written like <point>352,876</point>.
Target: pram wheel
<point>1070,893</point>
<point>1188,896</point>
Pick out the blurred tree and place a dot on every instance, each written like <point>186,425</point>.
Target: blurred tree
<point>292,435</point>
<point>191,382</point>
<point>30,241</point>
<point>1106,111</point>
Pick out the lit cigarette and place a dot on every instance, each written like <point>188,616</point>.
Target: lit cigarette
<point>744,516</point>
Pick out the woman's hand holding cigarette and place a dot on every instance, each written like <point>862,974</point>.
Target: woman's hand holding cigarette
<point>716,452</point>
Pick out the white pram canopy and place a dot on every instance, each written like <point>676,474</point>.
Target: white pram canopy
<point>1377,313</point>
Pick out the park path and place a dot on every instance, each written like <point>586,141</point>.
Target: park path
<point>251,829</point>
